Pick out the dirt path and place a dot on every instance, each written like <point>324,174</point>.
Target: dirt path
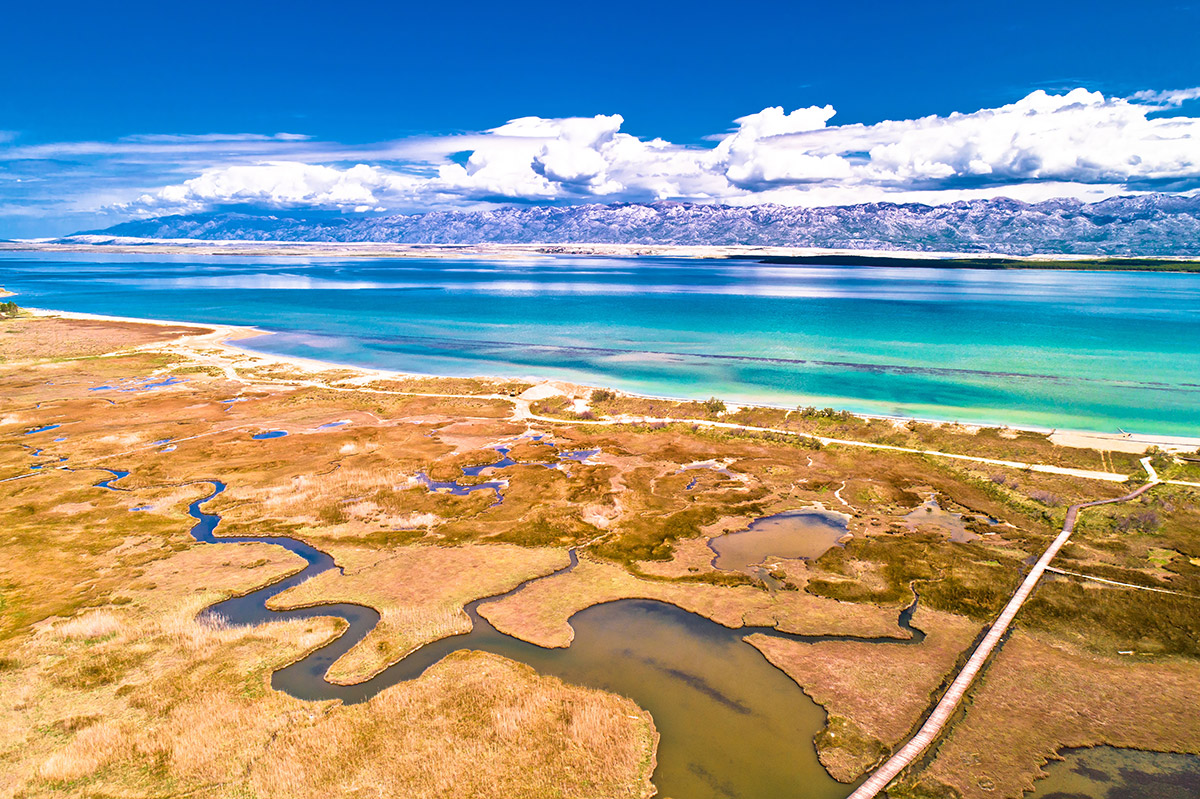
<point>222,338</point>
<point>1095,579</point>
<point>523,413</point>
<point>936,722</point>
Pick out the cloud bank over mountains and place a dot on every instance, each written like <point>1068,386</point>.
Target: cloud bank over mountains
<point>1077,144</point>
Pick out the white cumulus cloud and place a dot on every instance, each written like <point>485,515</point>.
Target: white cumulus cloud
<point>1079,136</point>
<point>278,183</point>
<point>1078,143</point>
<point>763,152</point>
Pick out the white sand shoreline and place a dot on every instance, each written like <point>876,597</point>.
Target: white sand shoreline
<point>126,245</point>
<point>222,335</point>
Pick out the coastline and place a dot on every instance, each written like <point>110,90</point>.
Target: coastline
<point>780,255</point>
<point>222,335</point>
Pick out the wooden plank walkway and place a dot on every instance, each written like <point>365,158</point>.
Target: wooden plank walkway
<point>936,722</point>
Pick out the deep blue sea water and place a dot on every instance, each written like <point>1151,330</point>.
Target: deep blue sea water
<point>1066,349</point>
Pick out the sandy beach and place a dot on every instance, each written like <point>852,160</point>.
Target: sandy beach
<point>223,336</point>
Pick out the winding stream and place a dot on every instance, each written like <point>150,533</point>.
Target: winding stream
<point>732,725</point>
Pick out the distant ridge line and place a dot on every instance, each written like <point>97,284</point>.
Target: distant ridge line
<point>1161,225</point>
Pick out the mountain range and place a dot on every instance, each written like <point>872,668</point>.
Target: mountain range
<point>1150,224</point>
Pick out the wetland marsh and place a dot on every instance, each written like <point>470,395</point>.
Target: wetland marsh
<point>420,547</point>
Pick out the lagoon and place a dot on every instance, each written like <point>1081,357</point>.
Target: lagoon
<point>1045,348</point>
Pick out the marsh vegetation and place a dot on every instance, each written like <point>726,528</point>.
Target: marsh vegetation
<point>113,687</point>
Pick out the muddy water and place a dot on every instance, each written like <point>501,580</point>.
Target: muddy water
<point>794,534</point>
<point>930,512</point>
<point>1105,772</point>
<point>731,724</point>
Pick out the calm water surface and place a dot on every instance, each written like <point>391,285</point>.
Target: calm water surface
<point>1088,350</point>
<point>792,534</point>
<point>1105,772</point>
<point>732,726</point>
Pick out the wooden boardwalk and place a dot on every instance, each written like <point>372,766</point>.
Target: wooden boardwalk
<point>936,722</point>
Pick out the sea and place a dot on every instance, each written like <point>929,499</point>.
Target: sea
<point>1084,350</point>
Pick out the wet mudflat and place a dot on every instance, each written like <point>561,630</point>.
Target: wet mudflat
<point>931,512</point>
<point>1106,772</point>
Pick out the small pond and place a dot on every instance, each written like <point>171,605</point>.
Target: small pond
<point>1106,772</point>
<point>43,429</point>
<point>930,512</point>
<point>792,534</point>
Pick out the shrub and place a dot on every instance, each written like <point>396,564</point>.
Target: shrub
<point>714,405</point>
<point>1159,459</point>
<point>1045,497</point>
<point>1143,521</point>
<point>809,412</point>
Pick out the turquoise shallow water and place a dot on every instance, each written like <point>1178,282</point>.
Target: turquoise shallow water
<point>1084,350</point>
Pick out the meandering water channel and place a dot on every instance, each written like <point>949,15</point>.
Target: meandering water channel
<point>732,725</point>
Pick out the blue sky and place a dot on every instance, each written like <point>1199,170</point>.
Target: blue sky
<point>107,111</point>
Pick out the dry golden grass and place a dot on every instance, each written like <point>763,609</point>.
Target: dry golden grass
<point>419,592</point>
<point>141,699</point>
<point>55,563</point>
<point>29,338</point>
<point>474,725</point>
<point>691,556</point>
<point>1040,696</point>
<point>874,694</point>
<point>91,703</point>
<point>539,612</point>
<point>92,624</point>
<point>305,494</point>
<point>119,692</point>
